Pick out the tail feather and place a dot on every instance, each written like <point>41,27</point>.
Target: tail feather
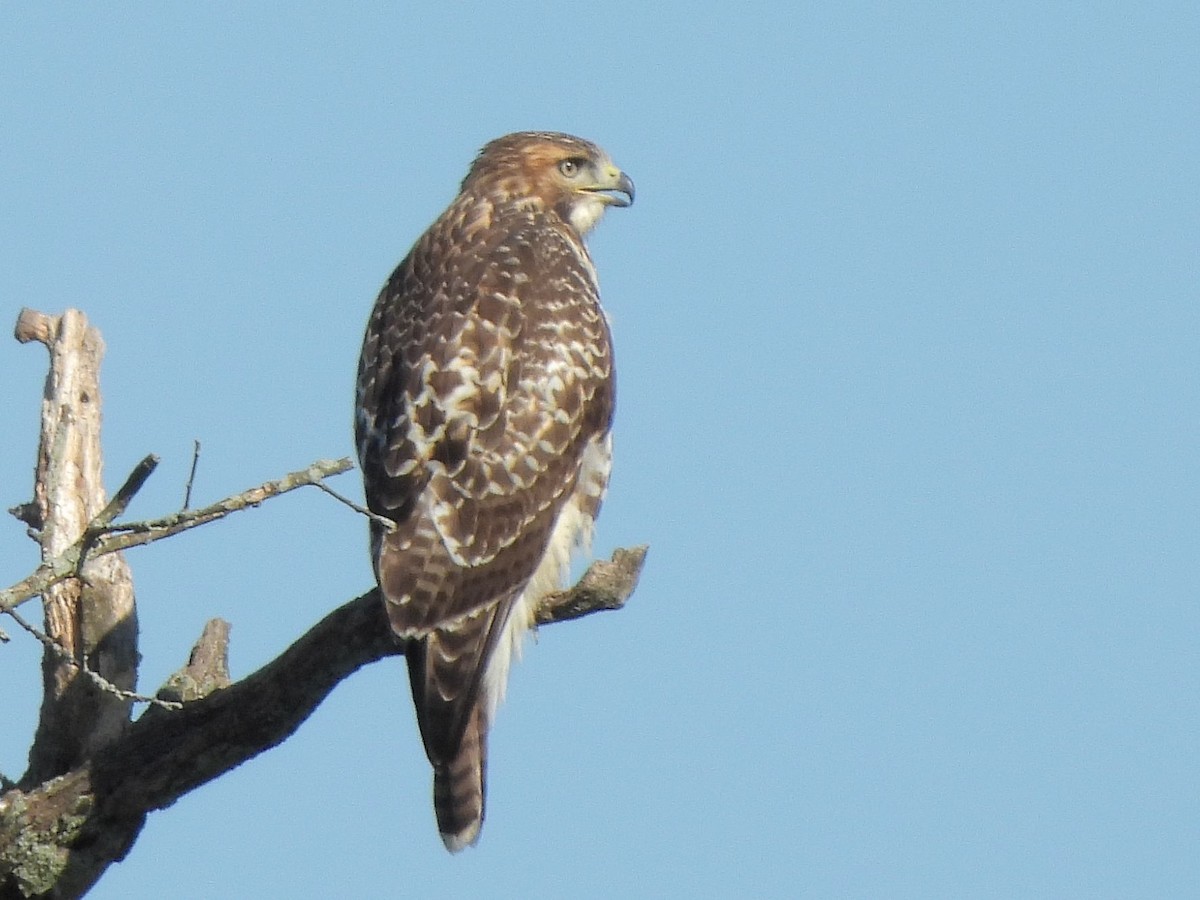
<point>460,787</point>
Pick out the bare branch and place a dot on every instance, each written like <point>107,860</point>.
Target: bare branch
<point>123,535</point>
<point>137,533</point>
<point>92,815</point>
<point>605,585</point>
<point>122,498</point>
<point>187,494</point>
<point>387,523</point>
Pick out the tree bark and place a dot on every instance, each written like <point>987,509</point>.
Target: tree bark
<point>93,617</point>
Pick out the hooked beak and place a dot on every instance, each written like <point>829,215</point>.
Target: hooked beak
<point>616,189</point>
<point>624,186</point>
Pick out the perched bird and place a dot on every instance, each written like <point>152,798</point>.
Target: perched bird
<point>484,402</point>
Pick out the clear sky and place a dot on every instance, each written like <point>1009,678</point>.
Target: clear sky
<point>909,412</point>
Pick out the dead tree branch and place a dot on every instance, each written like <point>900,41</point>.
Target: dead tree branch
<point>82,822</point>
<point>91,619</point>
<point>101,538</point>
<point>94,775</point>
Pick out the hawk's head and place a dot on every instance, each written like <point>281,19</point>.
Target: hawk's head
<point>559,172</point>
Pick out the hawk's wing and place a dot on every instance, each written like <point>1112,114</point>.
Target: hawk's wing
<point>485,374</point>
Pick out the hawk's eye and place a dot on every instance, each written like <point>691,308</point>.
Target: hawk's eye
<point>570,167</point>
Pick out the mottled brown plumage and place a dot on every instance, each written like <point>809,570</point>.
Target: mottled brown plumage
<point>485,396</point>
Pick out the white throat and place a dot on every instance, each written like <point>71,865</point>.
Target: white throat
<point>586,212</point>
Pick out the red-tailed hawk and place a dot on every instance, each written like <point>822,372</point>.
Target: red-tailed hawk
<point>485,396</point>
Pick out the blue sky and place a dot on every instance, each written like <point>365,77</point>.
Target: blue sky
<point>907,337</point>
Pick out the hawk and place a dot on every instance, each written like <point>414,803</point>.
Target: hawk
<point>484,402</point>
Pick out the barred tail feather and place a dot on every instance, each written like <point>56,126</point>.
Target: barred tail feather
<point>460,787</point>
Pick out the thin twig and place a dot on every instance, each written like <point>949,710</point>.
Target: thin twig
<point>387,523</point>
<point>95,677</point>
<point>187,494</point>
